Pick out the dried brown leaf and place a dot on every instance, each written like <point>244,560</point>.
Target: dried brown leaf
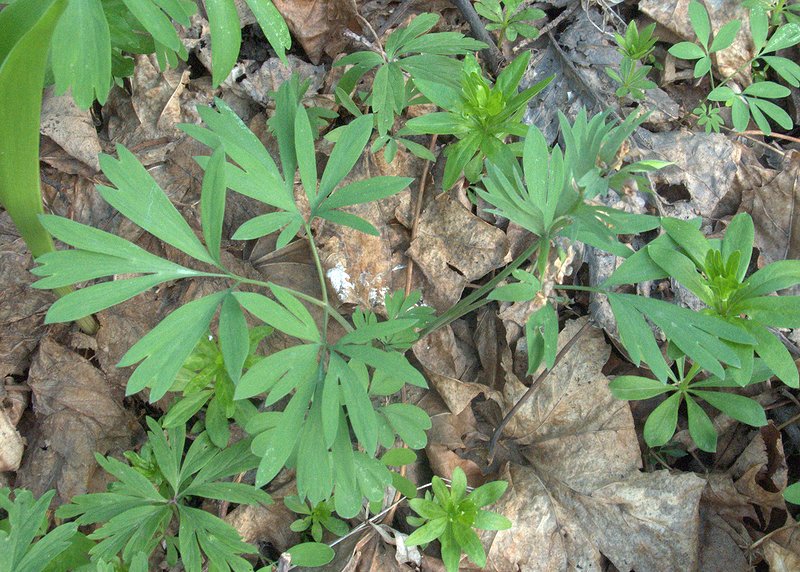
<point>318,25</point>
<point>453,247</point>
<point>583,494</point>
<point>78,413</point>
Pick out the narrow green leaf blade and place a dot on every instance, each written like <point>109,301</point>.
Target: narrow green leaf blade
<point>226,37</point>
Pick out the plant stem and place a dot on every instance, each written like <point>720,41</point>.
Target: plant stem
<point>477,298</point>
<point>322,284</point>
<point>310,299</point>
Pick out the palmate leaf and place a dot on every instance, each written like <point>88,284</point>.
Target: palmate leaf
<point>165,348</point>
<point>699,336</point>
<point>26,516</point>
<point>138,197</point>
<point>83,61</point>
<point>255,174</point>
<point>273,25</point>
<point>137,516</point>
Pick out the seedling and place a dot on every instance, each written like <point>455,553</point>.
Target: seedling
<point>411,53</point>
<point>480,115</point>
<point>315,518</point>
<point>137,514</point>
<point>686,386</point>
<point>509,19</point>
<point>451,517</point>
<point>754,100</point>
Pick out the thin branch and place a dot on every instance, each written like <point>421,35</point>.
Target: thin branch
<point>417,212</point>
<point>494,59</point>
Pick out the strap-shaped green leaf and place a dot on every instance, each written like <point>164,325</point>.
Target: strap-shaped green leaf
<point>346,152</point>
<point>156,23</point>
<point>138,197</point>
<point>226,37</point>
<point>25,32</point>
<point>273,25</point>
<point>314,471</point>
<point>284,438</point>
<point>101,296</point>
<point>212,202</point>
<point>638,339</point>
<point>233,337</point>
<point>305,153</point>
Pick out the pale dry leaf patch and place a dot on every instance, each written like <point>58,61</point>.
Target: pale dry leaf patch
<point>71,127</point>
<point>453,247</point>
<point>21,307</point>
<point>583,494</point>
<point>363,268</point>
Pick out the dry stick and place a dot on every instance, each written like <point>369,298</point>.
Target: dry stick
<point>417,212</point>
<point>546,29</point>
<point>775,135</point>
<point>537,382</point>
<point>492,54</point>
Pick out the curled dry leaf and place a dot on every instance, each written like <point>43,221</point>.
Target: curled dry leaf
<point>21,307</point>
<point>267,524</point>
<point>12,445</point>
<point>71,127</point>
<point>449,369</point>
<point>78,413</point>
<point>583,494</point>
<point>453,247</point>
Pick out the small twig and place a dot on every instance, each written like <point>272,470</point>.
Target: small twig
<point>417,212</point>
<point>364,41</point>
<point>494,58</point>
<point>789,526</point>
<point>775,135</point>
<point>371,29</point>
<point>546,29</point>
<point>527,395</point>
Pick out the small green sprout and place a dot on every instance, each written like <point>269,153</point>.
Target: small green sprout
<point>451,515</point>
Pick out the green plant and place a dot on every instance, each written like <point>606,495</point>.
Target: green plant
<point>451,515</point>
<point>87,64</point>
<point>328,384</point>
<point>411,53</point>
<point>26,520</point>
<point>686,386</point>
<point>206,382</point>
<point>632,79</point>
<point>778,10</point>
<point>715,271</point>
<point>480,115</point>
<point>509,19</point>
<point>792,493</point>
<point>754,100</point>
<point>138,512</point>
<point>25,32</point>
<point>315,517</point>
<point>634,47</point>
